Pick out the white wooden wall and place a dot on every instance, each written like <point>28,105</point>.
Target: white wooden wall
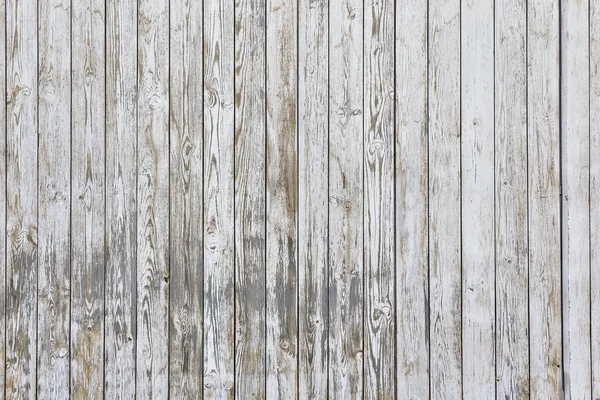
<point>300,199</point>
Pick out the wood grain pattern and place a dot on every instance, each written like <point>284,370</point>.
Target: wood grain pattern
<point>313,233</point>
<point>444,200</point>
<point>412,201</point>
<point>121,199</point>
<point>378,196</point>
<point>153,185</point>
<point>219,142</point>
<point>3,201</point>
<point>346,345</point>
<point>186,204</point>
<point>250,205</point>
<point>512,353</point>
<point>54,286</point>
<point>22,199</point>
<point>595,193</point>
<point>544,200</point>
<point>87,200</point>
<point>575,141</point>
<point>477,199</point>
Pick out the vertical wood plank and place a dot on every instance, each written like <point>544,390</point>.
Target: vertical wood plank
<point>54,102</point>
<point>378,197</point>
<point>346,200</point>
<point>444,199</point>
<point>121,198</point>
<point>544,199</point>
<point>313,151</point>
<point>152,355</point>
<point>575,137</point>
<point>250,212</point>
<point>186,206</point>
<point>412,200</point>
<point>282,200</point>
<point>477,204</point>
<point>219,141</point>
<point>22,198</point>
<point>3,199</point>
<point>87,200</point>
<point>595,191</point>
<point>512,354</point>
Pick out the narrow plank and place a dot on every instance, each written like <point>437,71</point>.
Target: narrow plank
<point>345,340</point>
<point>22,199</point>
<point>595,191</point>
<point>412,201</point>
<point>313,207</point>
<point>378,196</point>
<point>250,207</point>
<point>282,200</point>
<point>575,141</point>
<point>87,200</point>
<point>120,229</point>
<point>543,125</point>
<point>444,199</point>
<point>512,354</point>
<point>54,108</point>
<point>152,355</point>
<point>3,185</point>
<point>186,191</point>
<point>477,204</point>
<point>219,316</point>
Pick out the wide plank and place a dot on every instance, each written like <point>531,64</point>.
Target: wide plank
<point>121,198</point>
<point>219,141</point>
<point>186,201</point>
<point>54,135</point>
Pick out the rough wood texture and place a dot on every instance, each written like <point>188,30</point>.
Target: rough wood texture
<point>186,205</point>
<point>595,192</point>
<point>512,353</point>
<point>121,199</point>
<point>346,345</point>
<point>153,185</point>
<point>250,192</point>
<point>54,188</point>
<point>477,198</point>
<point>378,196</point>
<point>313,161</point>
<point>575,128</point>
<point>544,200</point>
<point>412,201</point>
<point>219,221</point>
<point>3,161</point>
<point>282,200</point>
<point>444,200</point>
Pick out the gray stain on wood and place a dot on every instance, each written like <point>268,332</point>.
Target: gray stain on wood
<point>299,199</point>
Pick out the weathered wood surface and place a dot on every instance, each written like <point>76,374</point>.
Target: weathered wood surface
<point>299,199</point>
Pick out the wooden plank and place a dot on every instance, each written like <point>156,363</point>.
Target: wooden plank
<point>3,201</point>
<point>346,200</point>
<point>444,199</point>
<point>152,354</point>
<point>313,151</point>
<point>543,127</point>
<point>595,191</point>
<point>512,354</point>
<point>282,200</point>
<point>54,107</point>
<point>575,138</point>
<point>219,316</point>
<point>22,199</point>
<point>121,215</point>
<point>412,201</point>
<point>87,199</point>
<point>477,198</point>
<point>186,206</point>
<point>378,196</point>
<point>250,207</point>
